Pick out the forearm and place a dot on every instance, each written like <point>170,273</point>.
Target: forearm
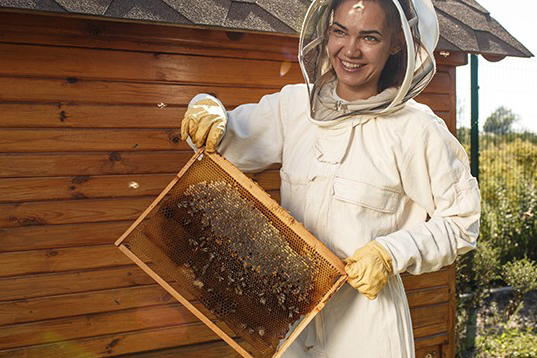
<point>431,245</point>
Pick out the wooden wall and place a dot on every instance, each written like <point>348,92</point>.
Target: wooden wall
<point>89,118</point>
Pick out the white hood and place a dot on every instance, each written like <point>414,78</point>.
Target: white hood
<point>316,67</point>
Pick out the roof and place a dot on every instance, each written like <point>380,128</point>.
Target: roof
<point>465,25</point>
<point>468,27</point>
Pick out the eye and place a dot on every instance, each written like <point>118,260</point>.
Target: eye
<point>338,32</point>
<point>370,38</point>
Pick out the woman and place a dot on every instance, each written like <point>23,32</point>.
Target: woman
<point>363,165</point>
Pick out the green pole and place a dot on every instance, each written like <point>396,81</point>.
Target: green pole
<point>471,323</point>
<point>474,129</point>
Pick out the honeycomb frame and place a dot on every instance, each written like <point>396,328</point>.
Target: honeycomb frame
<point>143,243</point>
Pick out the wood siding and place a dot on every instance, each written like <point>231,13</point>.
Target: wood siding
<point>89,118</point>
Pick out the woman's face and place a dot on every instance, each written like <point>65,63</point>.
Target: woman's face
<point>359,44</point>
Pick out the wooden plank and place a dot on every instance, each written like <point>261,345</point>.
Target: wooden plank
<point>439,339</point>
<point>89,140</point>
<point>437,102</point>
<point>30,27</point>
<point>60,236</point>
<point>49,61</point>
<point>97,324</point>
<point>426,280</point>
<point>287,52</point>
<point>428,296</point>
<point>121,343</point>
<point>76,211</point>
<point>217,349</point>
<point>453,59</point>
<point>62,283</point>
<point>91,187</point>
<point>84,164</point>
<point>13,313</point>
<point>429,315</point>
<point>73,90</point>
<point>58,260</point>
<point>452,122</point>
<point>440,83</point>
<point>71,211</point>
<point>61,115</point>
<point>430,352</point>
<point>431,330</point>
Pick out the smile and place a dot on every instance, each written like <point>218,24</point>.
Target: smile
<point>350,66</point>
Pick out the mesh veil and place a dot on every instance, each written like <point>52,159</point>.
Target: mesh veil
<point>318,72</point>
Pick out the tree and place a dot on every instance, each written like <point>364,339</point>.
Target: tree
<point>500,121</point>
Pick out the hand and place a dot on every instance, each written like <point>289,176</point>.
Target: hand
<point>368,269</point>
<point>205,123</point>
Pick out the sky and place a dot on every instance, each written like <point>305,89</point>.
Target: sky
<point>511,82</point>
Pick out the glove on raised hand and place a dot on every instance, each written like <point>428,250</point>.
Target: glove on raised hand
<point>205,123</point>
<point>368,269</point>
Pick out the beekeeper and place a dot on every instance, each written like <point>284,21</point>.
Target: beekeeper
<point>363,165</point>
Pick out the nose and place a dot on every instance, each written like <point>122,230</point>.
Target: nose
<point>352,48</point>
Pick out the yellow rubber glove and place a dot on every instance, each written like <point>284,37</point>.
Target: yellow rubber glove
<point>205,123</point>
<point>368,269</point>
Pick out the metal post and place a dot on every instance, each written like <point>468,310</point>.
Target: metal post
<point>474,129</point>
<point>471,323</point>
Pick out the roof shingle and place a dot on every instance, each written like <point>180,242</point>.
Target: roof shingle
<point>465,25</point>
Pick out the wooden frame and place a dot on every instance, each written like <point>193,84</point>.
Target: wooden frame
<point>279,212</point>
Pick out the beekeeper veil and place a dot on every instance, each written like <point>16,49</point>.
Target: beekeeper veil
<point>419,26</point>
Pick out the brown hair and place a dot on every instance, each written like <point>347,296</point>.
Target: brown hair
<point>394,70</point>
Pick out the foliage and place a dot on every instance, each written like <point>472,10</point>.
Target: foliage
<point>464,137</point>
<point>510,343</point>
<point>507,246</point>
<point>508,183</point>
<point>500,121</point>
<point>522,276</point>
<point>476,272</point>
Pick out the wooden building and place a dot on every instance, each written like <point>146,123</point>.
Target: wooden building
<point>90,105</point>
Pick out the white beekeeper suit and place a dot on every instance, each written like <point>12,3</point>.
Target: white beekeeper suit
<point>355,172</point>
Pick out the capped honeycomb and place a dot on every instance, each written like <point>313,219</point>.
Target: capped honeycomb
<point>224,245</point>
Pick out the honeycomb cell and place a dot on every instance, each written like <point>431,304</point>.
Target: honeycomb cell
<point>216,243</point>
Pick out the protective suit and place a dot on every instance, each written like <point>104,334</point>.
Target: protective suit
<point>358,171</point>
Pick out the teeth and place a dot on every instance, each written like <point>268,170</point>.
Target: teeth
<point>350,65</point>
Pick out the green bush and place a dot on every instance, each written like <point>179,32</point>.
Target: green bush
<point>508,183</point>
<point>521,275</point>
<point>510,343</point>
<point>506,250</point>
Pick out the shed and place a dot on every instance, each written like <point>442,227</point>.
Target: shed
<point>91,96</point>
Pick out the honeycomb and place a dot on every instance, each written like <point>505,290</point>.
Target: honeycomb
<point>218,245</point>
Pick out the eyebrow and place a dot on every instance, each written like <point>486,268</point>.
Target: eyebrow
<point>343,27</point>
<point>368,32</point>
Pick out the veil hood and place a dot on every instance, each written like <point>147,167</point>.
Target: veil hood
<point>316,68</point>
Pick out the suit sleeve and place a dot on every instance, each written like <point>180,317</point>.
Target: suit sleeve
<point>254,133</point>
<point>435,174</point>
